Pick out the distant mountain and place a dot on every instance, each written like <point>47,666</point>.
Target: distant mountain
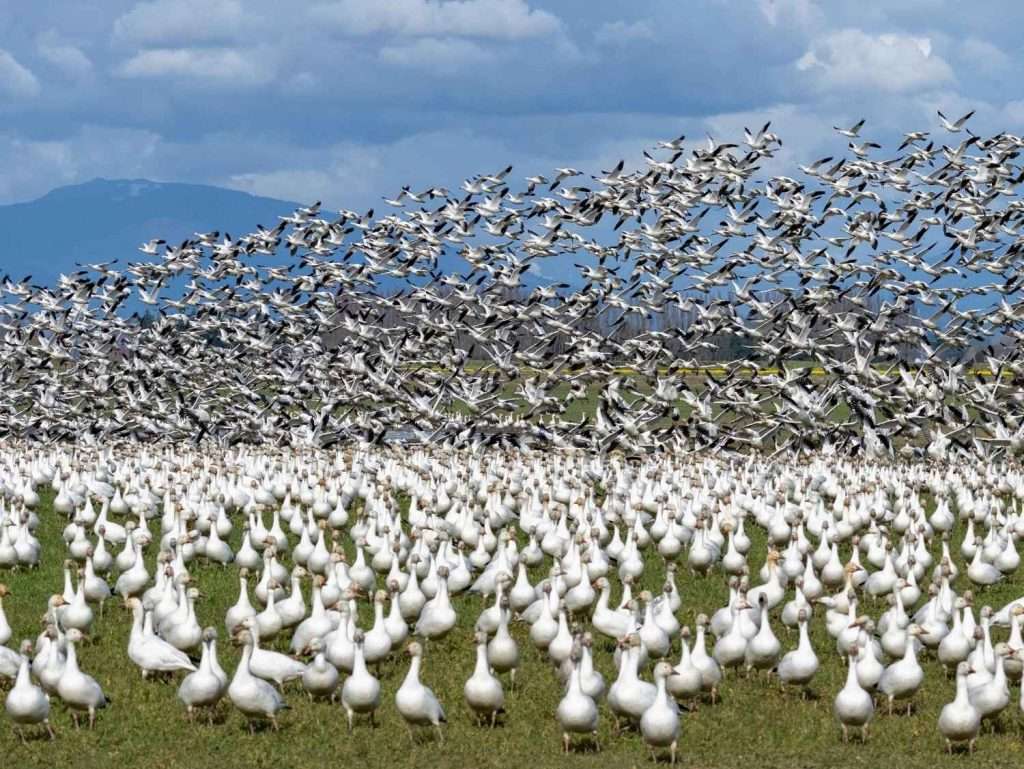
<point>107,219</point>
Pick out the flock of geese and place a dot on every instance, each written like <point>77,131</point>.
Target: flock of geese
<point>892,276</point>
<point>544,539</point>
<point>863,414</point>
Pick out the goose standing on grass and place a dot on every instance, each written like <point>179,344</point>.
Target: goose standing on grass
<point>270,665</point>
<point>203,688</point>
<point>78,690</point>
<point>576,713</point>
<point>27,704</point>
<point>483,690</point>
<point>320,678</point>
<point>5,627</point>
<point>959,720</point>
<point>151,653</point>
<point>252,695</point>
<point>415,702</point>
<point>798,667</point>
<point>361,690</point>
<point>902,679</point>
<point>502,649</point>
<point>853,706</point>
<point>659,724</point>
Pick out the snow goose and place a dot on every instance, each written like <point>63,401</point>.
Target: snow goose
<point>685,684</point>
<point>629,696</point>
<point>5,627</point>
<point>710,672</point>
<point>78,690</point>
<point>27,704</point>
<point>415,702</point>
<point>437,617</point>
<point>990,697</point>
<point>270,665</point>
<point>798,667</point>
<point>764,648</point>
<point>250,694</point>
<point>613,623</point>
<point>361,690</point>
<point>903,678</point>
<point>151,653</point>
<point>203,688</point>
<point>502,649</point>
<point>243,608</point>
<point>320,678</point>
<point>853,706</point>
<point>659,724</point>
<point>483,691</point>
<point>959,720</point>
<point>577,713</point>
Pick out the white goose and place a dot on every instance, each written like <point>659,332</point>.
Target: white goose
<point>78,690</point>
<point>203,688</point>
<point>320,678</point>
<point>483,691</point>
<point>853,706</point>
<point>151,653</point>
<point>415,702</point>
<point>361,690</point>
<point>959,720</point>
<point>270,665</point>
<point>249,693</point>
<point>659,724</point>
<point>577,713</point>
<point>798,667</point>
<point>27,704</point>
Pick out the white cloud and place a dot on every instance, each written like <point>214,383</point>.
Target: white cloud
<point>798,12</point>
<point>217,66</point>
<point>166,21</point>
<point>984,56</point>
<point>15,79</point>
<point>33,167</point>
<point>66,57</point>
<point>444,56</point>
<point>851,59</point>
<point>499,19</point>
<point>621,32</point>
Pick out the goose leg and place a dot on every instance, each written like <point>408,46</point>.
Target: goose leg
<point>672,753</point>
<point>440,733</point>
<point>846,734</point>
<point>49,729</point>
<point>565,742</point>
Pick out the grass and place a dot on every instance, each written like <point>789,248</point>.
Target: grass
<point>753,723</point>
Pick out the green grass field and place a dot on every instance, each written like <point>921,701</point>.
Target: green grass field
<point>754,724</point>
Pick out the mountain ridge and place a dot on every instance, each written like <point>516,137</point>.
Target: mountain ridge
<point>106,219</point>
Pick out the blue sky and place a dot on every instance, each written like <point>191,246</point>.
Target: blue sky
<point>347,100</point>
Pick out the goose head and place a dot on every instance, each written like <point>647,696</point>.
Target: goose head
<point>242,636</point>
<point>74,635</point>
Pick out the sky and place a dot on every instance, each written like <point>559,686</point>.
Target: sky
<point>346,101</point>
